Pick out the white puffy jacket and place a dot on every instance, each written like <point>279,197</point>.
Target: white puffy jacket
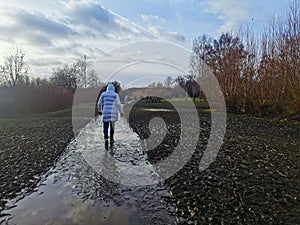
<point>110,101</point>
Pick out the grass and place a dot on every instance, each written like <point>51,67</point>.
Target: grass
<point>203,107</point>
<point>61,113</point>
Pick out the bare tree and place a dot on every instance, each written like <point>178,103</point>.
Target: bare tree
<point>249,71</point>
<point>225,56</point>
<point>65,77</point>
<point>92,79</point>
<point>82,74</point>
<point>189,84</point>
<point>14,71</point>
<point>168,82</point>
<point>2,76</point>
<point>278,79</point>
<point>290,63</point>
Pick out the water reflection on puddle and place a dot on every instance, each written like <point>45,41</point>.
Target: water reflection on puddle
<point>74,193</point>
<point>158,110</point>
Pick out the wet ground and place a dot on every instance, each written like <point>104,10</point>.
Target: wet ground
<point>80,190</point>
<point>254,180</point>
<point>29,146</point>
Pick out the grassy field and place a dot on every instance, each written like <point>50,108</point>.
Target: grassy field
<point>202,106</point>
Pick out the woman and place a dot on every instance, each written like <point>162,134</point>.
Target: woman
<point>108,106</point>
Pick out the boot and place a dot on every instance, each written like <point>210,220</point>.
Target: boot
<point>112,140</point>
<point>106,141</point>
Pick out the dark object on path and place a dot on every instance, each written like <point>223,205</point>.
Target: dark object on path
<point>152,99</point>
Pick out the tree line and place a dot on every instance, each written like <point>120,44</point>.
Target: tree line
<point>259,75</point>
<point>21,93</point>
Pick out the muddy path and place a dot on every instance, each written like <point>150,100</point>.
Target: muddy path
<point>75,191</point>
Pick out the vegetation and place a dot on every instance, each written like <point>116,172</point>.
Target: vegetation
<point>260,75</point>
<point>19,93</point>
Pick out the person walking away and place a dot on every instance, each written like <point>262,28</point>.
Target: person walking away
<point>109,105</point>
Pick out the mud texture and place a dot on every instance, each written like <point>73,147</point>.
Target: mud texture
<point>254,180</point>
<point>30,145</point>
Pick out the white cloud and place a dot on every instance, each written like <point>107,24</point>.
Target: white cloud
<point>31,27</point>
<point>89,16</point>
<point>230,12</point>
<point>77,28</point>
<point>152,19</point>
<point>158,31</point>
<point>44,62</point>
<point>166,35</point>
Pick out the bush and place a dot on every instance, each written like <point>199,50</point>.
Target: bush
<point>34,99</point>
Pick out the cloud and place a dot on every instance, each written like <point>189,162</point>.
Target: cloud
<point>20,26</point>
<point>160,32</point>
<point>76,28</point>
<point>44,62</point>
<point>38,22</point>
<point>230,12</point>
<point>76,21</point>
<point>166,35</point>
<point>93,19</point>
<point>89,15</point>
<point>152,19</point>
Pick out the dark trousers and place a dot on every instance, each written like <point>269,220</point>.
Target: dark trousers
<point>110,125</point>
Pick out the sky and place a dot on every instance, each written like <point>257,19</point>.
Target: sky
<point>55,32</point>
